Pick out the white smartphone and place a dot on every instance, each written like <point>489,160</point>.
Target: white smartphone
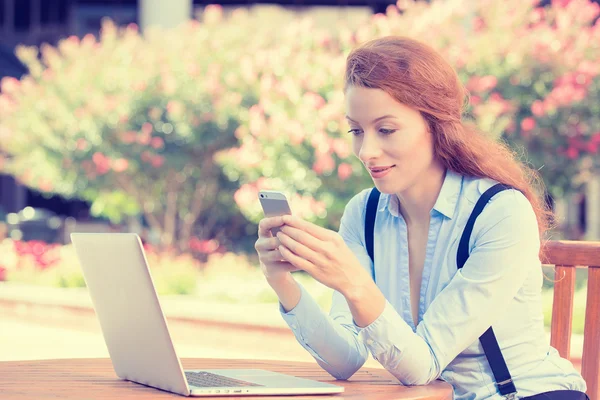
<point>274,203</point>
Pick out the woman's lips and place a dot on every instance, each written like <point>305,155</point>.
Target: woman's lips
<point>380,172</point>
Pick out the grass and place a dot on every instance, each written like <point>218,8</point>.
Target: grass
<point>578,309</point>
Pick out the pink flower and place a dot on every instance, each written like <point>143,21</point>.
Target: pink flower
<point>128,137</point>
<point>73,39</point>
<point>143,138</point>
<point>157,161</point>
<point>120,165</point>
<point>324,163</point>
<point>9,84</point>
<point>480,84</point>
<point>81,144</point>
<point>247,194</point>
<point>102,169</point>
<point>572,153</point>
<point>45,185</point>
<point>341,147</point>
<point>344,171</point>
<point>147,128</point>
<point>157,142</point>
<point>175,108</point>
<point>99,158</point>
<point>146,156</point>
<point>528,124</point>
<point>213,13</point>
<point>537,108</point>
<point>317,101</point>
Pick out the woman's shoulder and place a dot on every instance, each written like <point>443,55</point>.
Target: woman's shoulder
<point>474,187</point>
<point>356,207</point>
<point>511,203</point>
<point>358,202</point>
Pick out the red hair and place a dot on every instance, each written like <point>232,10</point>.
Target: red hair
<point>416,75</point>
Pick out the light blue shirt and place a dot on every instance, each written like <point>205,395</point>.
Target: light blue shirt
<point>500,286</point>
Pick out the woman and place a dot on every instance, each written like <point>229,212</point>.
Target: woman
<point>421,318</point>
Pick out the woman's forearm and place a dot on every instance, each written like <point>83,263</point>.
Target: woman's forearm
<point>287,290</point>
<point>366,302</point>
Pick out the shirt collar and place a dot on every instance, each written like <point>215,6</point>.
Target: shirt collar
<point>445,203</point>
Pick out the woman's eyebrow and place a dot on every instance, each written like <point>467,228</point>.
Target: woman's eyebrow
<point>375,120</point>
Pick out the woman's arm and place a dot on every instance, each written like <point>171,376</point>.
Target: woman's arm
<point>504,250</point>
<point>331,339</point>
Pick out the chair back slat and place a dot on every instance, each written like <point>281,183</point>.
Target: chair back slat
<point>562,310</point>
<point>566,256</point>
<point>570,252</point>
<point>590,367</point>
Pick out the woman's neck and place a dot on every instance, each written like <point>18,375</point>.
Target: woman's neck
<point>417,201</point>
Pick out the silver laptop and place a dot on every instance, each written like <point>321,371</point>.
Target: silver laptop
<point>135,330</point>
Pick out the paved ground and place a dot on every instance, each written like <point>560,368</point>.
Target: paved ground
<point>22,340</point>
<point>37,338</point>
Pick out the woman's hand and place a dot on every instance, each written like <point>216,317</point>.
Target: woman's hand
<point>322,253</point>
<point>272,263</point>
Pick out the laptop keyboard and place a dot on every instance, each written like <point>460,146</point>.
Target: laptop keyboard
<point>206,379</point>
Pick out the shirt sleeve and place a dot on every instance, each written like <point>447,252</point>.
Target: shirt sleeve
<point>333,339</point>
<point>504,248</point>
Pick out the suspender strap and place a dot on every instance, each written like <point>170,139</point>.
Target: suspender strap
<point>370,223</point>
<point>488,339</point>
<point>463,247</point>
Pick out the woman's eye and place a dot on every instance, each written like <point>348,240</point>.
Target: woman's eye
<point>387,131</point>
<point>354,131</point>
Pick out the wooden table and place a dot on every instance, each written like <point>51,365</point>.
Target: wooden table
<point>84,379</point>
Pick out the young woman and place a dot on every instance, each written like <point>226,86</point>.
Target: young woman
<point>422,316</point>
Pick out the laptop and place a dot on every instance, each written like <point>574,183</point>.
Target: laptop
<point>135,330</point>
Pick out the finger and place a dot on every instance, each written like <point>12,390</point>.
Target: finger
<point>273,256</point>
<point>315,230</point>
<point>300,249</point>
<point>265,225</point>
<point>304,237</point>
<point>296,261</point>
<point>285,265</point>
<point>267,244</point>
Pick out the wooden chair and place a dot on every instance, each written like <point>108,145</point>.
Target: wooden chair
<point>566,256</point>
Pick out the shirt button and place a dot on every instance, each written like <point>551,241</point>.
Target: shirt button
<point>369,342</point>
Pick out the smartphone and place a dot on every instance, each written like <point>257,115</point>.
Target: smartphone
<point>274,203</point>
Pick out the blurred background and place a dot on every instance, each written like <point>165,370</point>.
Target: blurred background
<point>167,118</point>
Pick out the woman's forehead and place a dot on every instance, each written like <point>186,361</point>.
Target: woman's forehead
<point>365,105</point>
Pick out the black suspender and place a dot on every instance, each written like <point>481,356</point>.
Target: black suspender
<point>370,223</point>
<point>488,339</point>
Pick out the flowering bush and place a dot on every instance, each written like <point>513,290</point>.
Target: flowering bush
<point>186,126</point>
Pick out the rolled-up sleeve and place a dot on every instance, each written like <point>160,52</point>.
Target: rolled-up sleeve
<point>504,248</point>
<point>332,339</point>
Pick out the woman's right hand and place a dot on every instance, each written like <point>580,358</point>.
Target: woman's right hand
<point>272,263</point>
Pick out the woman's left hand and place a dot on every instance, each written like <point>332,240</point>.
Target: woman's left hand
<point>322,253</point>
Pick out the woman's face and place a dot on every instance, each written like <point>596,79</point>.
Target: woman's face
<point>387,133</point>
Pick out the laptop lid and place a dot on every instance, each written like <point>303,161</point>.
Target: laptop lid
<point>135,330</point>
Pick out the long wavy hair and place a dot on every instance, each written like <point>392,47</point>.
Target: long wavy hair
<point>416,75</point>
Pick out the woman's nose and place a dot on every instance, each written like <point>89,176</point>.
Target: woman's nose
<point>370,148</point>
